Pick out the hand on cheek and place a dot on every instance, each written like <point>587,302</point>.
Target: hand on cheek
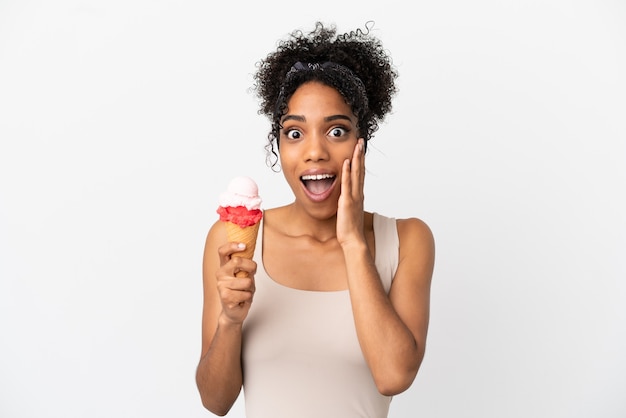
<point>350,209</point>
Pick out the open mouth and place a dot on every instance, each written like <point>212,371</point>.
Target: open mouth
<point>318,183</point>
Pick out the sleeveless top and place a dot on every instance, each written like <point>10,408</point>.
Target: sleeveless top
<point>300,353</point>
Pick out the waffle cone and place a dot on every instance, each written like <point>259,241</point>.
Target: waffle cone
<point>246,235</point>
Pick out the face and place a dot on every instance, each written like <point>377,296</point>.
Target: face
<point>318,134</point>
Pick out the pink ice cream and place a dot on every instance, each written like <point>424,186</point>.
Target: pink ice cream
<point>240,203</point>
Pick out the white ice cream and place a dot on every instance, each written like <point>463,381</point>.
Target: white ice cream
<point>241,191</point>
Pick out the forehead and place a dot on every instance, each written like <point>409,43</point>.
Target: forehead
<point>315,95</point>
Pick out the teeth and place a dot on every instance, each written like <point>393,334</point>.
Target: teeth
<point>317,177</point>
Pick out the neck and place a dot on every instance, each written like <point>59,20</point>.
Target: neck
<point>301,223</point>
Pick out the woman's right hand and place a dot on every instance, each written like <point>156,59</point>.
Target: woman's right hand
<point>236,293</point>
<point>227,299</point>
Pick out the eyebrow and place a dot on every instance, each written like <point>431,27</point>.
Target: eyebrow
<point>301,118</point>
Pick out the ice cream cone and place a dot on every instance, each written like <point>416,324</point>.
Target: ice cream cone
<point>240,210</point>
<point>246,235</point>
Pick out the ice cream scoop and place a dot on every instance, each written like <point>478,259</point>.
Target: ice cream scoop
<point>240,210</point>
<point>241,191</point>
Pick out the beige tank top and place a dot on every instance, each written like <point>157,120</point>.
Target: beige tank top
<point>301,356</point>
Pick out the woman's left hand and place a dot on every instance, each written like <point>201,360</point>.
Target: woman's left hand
<point>350,208</point>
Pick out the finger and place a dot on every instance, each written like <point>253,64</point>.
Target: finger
<point>243,284</point>
<point>362,178</point>
<point>346,187</point>
<point>236,267</point>
<point>357,169</point>
<point>243,267</point>
<point>227,250</point>
<point>236,298</point>
<point>236,291</point>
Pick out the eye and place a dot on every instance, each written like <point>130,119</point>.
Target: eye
<point>337,132</point>
<point>293,134</point>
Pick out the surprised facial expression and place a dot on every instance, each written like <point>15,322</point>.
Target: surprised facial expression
<point>319,132</point>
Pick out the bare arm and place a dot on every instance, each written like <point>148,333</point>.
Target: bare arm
<point>226,304</point>
<point>391,328</point>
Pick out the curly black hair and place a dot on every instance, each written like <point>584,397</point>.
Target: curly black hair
<point>355,63</point>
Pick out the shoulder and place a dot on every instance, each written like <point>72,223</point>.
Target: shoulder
<point>217,228</point>
<point>414,228</point>
<point>417,245</point>
<point>416,239</point>
<point>408,228</point>
<point>216,236</point>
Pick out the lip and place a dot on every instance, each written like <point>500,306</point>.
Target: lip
<point>321,196</point>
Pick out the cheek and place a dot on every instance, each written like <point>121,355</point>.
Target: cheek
<point>283,158</point>
<point>347,150</point>
<point>288,163</point>
<point>289,153</point>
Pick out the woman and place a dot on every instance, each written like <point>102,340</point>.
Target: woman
<point>333,318</point>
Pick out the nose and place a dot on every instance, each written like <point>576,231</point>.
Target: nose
<point>316,148</point>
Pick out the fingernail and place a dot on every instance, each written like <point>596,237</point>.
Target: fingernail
<point>241,246</point>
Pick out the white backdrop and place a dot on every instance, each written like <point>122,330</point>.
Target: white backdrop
<point>121,121</point>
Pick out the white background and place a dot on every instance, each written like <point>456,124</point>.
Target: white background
<point>121,121</point>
